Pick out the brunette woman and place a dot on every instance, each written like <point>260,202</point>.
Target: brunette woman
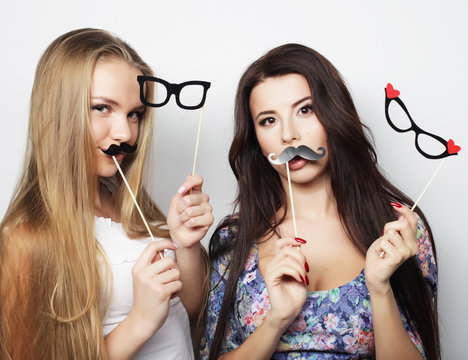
<point>363,283</point>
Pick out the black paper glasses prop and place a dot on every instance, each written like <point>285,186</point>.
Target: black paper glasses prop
<point>183,92</point>
<point>184,95</point>
<point>450,147</point>
<point>392,94</point>
<point>183,99</point>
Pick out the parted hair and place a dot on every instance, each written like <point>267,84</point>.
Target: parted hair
<point>361,191</point>
<point>52,271</point>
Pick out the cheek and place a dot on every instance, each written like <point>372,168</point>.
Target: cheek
<point>265,145</point>
<point>98,129</point>
<point>134,128</point>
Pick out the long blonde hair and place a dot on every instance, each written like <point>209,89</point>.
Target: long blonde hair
<point>54,201</point>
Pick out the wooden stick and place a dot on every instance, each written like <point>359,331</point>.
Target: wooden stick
<point>135,202</point>
<point>429,183</point>
<point>291,198</point>
<point>424,191</point>
<point>198,140</point>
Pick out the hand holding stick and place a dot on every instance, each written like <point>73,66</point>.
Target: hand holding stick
<point>423,192</point>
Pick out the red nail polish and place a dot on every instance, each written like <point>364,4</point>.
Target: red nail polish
<point>306,267</point>
<point>382,232</point>
<point>302,279</point>
<point>395,204</point>
<point>307,280</point>
<point>300,241</point>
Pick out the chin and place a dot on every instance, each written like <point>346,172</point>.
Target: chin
<point>107,171</point>
<point>308,176</point>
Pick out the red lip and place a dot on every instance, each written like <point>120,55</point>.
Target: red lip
<point>119,157</point>
<point>297,163</point>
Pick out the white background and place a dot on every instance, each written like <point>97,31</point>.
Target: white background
<point>418,46</point>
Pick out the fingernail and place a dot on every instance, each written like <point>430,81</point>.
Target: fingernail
<point>307,280</point>
<point>395,204</point>
<point>175,245</point>
<point>306,267</point>
<point>300,241</point>
<point>382,232</point>
<point>181,190</point>
<point>302,279</point>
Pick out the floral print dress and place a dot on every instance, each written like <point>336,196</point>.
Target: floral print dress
<point>333,324</point>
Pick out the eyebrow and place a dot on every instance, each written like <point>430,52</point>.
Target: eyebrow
<point>105,99</point>
<point>267,112</point>
<point>302,100</point>
<point>115,103</point>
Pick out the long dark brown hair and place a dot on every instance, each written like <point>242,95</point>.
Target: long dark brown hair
<point>363,205</point>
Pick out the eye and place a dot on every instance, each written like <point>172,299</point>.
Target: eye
<point>135,115</point>
<point>306,109</point>
<point>267,121</point>
<point>103,109</point>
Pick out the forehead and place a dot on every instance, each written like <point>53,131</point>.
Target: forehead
<point>279,90</point>
<point>115,78</point>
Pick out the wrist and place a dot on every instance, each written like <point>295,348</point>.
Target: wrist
<point>380,289</point>
<point>192,249</point>
<point>141,329</point>
<point>276,323</point>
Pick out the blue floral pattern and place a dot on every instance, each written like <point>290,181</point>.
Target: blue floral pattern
<point>333,324</point>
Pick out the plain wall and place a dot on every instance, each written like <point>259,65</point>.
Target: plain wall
<point>418,46</point>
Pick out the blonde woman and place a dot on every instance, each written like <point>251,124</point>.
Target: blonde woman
<point>79,277</point>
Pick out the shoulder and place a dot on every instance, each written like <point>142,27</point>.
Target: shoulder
<point>224,236</point>
<point>426,255</point>
<point>221,246</point>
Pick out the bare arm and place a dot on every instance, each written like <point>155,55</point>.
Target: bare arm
<point>193,272</point>
<point>284,276</point>
<point>189,218</point>
<point>261,344</point>
<point>392,341</point>
<point>397,244</point>
<point>154,283</point>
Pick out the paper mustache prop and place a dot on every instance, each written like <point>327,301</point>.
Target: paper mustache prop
<point>122,148</point>
<point>291,152</point>
<point>287,155</point>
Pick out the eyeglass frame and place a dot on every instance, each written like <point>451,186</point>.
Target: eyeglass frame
<point>414,127</point>
<point>172,89</point>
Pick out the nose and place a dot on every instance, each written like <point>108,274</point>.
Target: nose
<point>289,131</point>
<point>120,130</point>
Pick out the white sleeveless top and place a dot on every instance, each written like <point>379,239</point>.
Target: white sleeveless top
<point>172,340</point>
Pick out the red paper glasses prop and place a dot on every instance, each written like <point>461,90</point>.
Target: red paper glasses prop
<point>449,147</point>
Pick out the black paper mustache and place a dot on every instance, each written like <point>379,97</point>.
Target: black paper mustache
<point>117,149</point>
<point>291,152</point>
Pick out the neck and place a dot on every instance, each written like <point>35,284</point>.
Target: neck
<point>103,203</point>
<point>312,200</point>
